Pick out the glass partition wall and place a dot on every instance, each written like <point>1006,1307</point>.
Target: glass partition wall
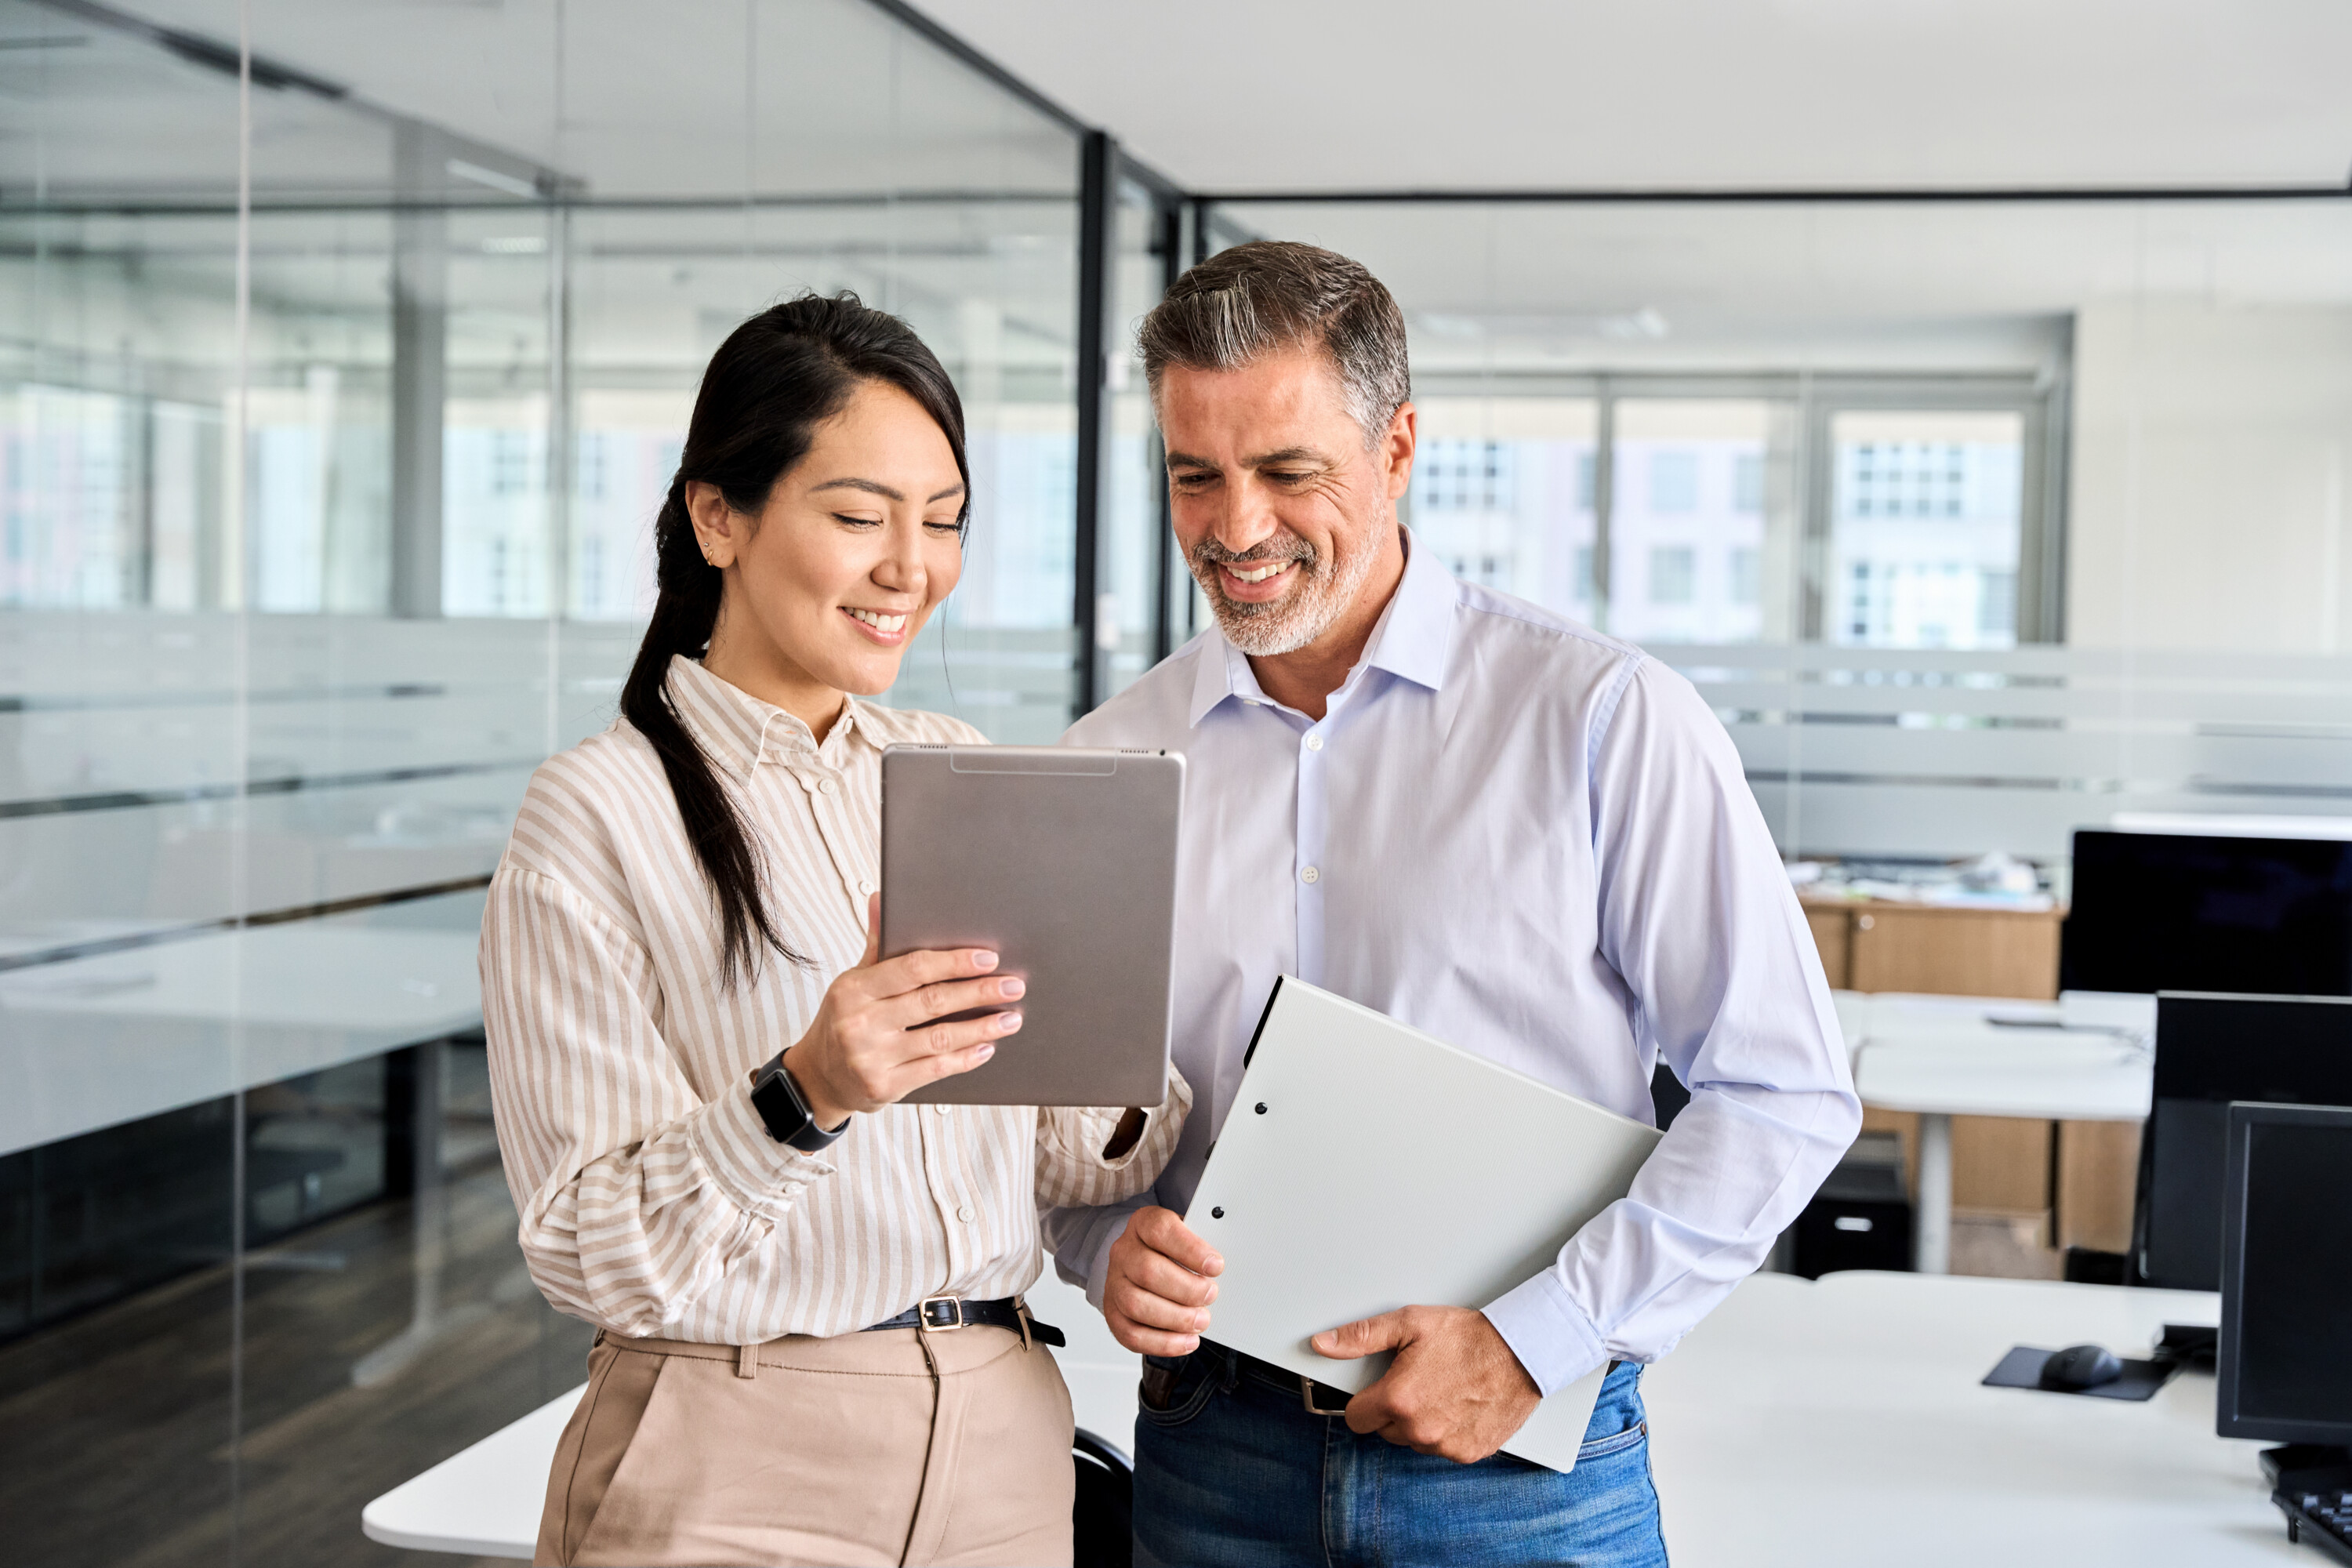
<point>345,356</point>
<point>343,367</point>
<point>1977,521</point>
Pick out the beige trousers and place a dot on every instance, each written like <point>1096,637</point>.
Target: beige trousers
<point>894,1446</point>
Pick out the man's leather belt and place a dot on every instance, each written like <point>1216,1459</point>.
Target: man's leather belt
<point>944,1314</point>
<point>1318,1398</point>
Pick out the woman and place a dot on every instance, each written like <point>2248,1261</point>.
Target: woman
<point>697,1075</point>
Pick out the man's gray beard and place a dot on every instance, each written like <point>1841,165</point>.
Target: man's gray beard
<point>1296,619</point>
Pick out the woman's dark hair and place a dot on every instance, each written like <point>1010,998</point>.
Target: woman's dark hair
<point>775,379</point>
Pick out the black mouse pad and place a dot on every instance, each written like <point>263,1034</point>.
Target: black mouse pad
<point>2021,1368</point>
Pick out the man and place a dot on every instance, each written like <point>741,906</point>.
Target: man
<point>1489,822</point>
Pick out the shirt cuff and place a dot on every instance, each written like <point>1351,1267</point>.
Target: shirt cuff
<point>756,1172</point>
<point>1550,1334</point>
<point>1098,1268</point>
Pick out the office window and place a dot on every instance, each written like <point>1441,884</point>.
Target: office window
<point>510,462</point>
<point>1465,476</point>
<point>1748,482</point>
<point>1673,574</point>
<point>1678,525</point>
<point>1925,518</point>
<point>1746,565</point>
<point>1997,606</point>
<point>1674,482</point>
<point>1502,493</point>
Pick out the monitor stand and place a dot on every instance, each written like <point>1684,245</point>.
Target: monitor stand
<point>2308,1466</point>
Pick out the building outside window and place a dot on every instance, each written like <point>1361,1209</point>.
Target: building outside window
<point>1926,518</point>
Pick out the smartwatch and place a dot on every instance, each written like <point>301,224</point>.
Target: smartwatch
<point>790,1121</point>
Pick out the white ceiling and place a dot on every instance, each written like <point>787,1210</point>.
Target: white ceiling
<point>1258,95</point>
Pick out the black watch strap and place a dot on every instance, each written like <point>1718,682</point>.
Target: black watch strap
<point>778,1100</point>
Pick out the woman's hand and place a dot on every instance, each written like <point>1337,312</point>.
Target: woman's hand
<point>868,1048</point>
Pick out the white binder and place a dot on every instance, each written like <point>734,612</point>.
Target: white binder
<point>1366,1166</point>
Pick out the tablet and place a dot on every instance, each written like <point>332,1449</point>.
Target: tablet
<point>1063,860</point>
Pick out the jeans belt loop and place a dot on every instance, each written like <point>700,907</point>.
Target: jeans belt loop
<point>747,1361</point>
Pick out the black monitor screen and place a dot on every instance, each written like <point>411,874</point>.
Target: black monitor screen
<point>2164,911</point>
<point>2211,1050</point>
<point>2288,1304</point>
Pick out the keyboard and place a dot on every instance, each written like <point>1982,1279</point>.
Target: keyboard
<point>2322,1518</point>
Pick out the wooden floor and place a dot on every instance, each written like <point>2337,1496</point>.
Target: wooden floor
<point>120,1443</point>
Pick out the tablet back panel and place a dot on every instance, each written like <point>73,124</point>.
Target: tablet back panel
<point>1388,1169</point>
<point>1064,861</point>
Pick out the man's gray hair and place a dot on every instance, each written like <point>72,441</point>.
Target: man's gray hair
<point>1270,295</point>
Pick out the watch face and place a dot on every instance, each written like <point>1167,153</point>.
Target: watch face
<point>779,1104</point>
<point>789,1119</point>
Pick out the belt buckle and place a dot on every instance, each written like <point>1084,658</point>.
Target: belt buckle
<point>1306,1397</point>
<point>932,1322</point>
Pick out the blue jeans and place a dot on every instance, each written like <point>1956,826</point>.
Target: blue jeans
<point>1235,1472</point>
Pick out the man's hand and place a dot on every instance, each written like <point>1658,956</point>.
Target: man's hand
<point>1161,1279</point>
<point>1455,1389</point>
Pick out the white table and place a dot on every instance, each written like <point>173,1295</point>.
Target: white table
<point>90,1042</point>
<point>1943,1057</point>
<point>1843,1424</point>
<point>1837,1425</point>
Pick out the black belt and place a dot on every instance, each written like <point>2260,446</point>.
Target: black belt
<point>1319,1398</point>
<point>941,1314</point>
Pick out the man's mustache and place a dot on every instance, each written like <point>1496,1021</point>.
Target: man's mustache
<point>1282,547</point>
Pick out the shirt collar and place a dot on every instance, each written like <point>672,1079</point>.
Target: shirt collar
<point>737,731</point>
<point>1410,641</point>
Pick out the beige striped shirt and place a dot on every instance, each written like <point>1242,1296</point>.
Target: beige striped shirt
<point>652,1200</point>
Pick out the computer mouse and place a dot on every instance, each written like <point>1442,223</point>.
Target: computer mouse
<point>2078,1367</point>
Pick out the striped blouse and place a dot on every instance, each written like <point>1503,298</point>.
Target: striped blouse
<point>652,1200</point>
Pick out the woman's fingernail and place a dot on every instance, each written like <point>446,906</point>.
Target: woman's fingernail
<point>983,1050</point>
<point>1007,1022</point>
<point>983,961</point>
<point>1011,985</point>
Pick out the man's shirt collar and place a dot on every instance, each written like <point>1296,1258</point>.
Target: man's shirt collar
<point>1411,640</point>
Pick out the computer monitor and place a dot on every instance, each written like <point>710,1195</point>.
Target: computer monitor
<point>2285,1356</point>
<point>2173,911</point>
<point>2211,1050</point>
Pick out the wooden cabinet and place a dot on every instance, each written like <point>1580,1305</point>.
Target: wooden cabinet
<point>1879,946</point>
<point>2079,1172</point>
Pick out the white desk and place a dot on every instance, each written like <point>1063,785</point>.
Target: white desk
<point>1843,1424</point>
<point>1837,1425</point>
<point>1941,1056</point>
<point>90,1042</point>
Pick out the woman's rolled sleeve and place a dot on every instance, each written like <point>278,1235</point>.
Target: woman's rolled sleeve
<point>1072,1172</point>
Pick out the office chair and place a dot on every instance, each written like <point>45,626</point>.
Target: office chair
<point>1102,1516</point>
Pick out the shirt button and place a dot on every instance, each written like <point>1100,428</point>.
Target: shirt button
<point>1310,875</point>
<point>1314,742</point>
<point>943,1109</point>
<point>826,786</point>
<point>866,886</point>
<point>964,1213</point>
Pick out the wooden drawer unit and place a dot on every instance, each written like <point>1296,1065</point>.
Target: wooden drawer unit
<point>2081,1172</point>
<point>1880,946</point>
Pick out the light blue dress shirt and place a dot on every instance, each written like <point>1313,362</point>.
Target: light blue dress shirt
<point>1535,844</point>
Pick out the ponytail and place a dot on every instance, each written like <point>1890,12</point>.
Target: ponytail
<point>776,378</point>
